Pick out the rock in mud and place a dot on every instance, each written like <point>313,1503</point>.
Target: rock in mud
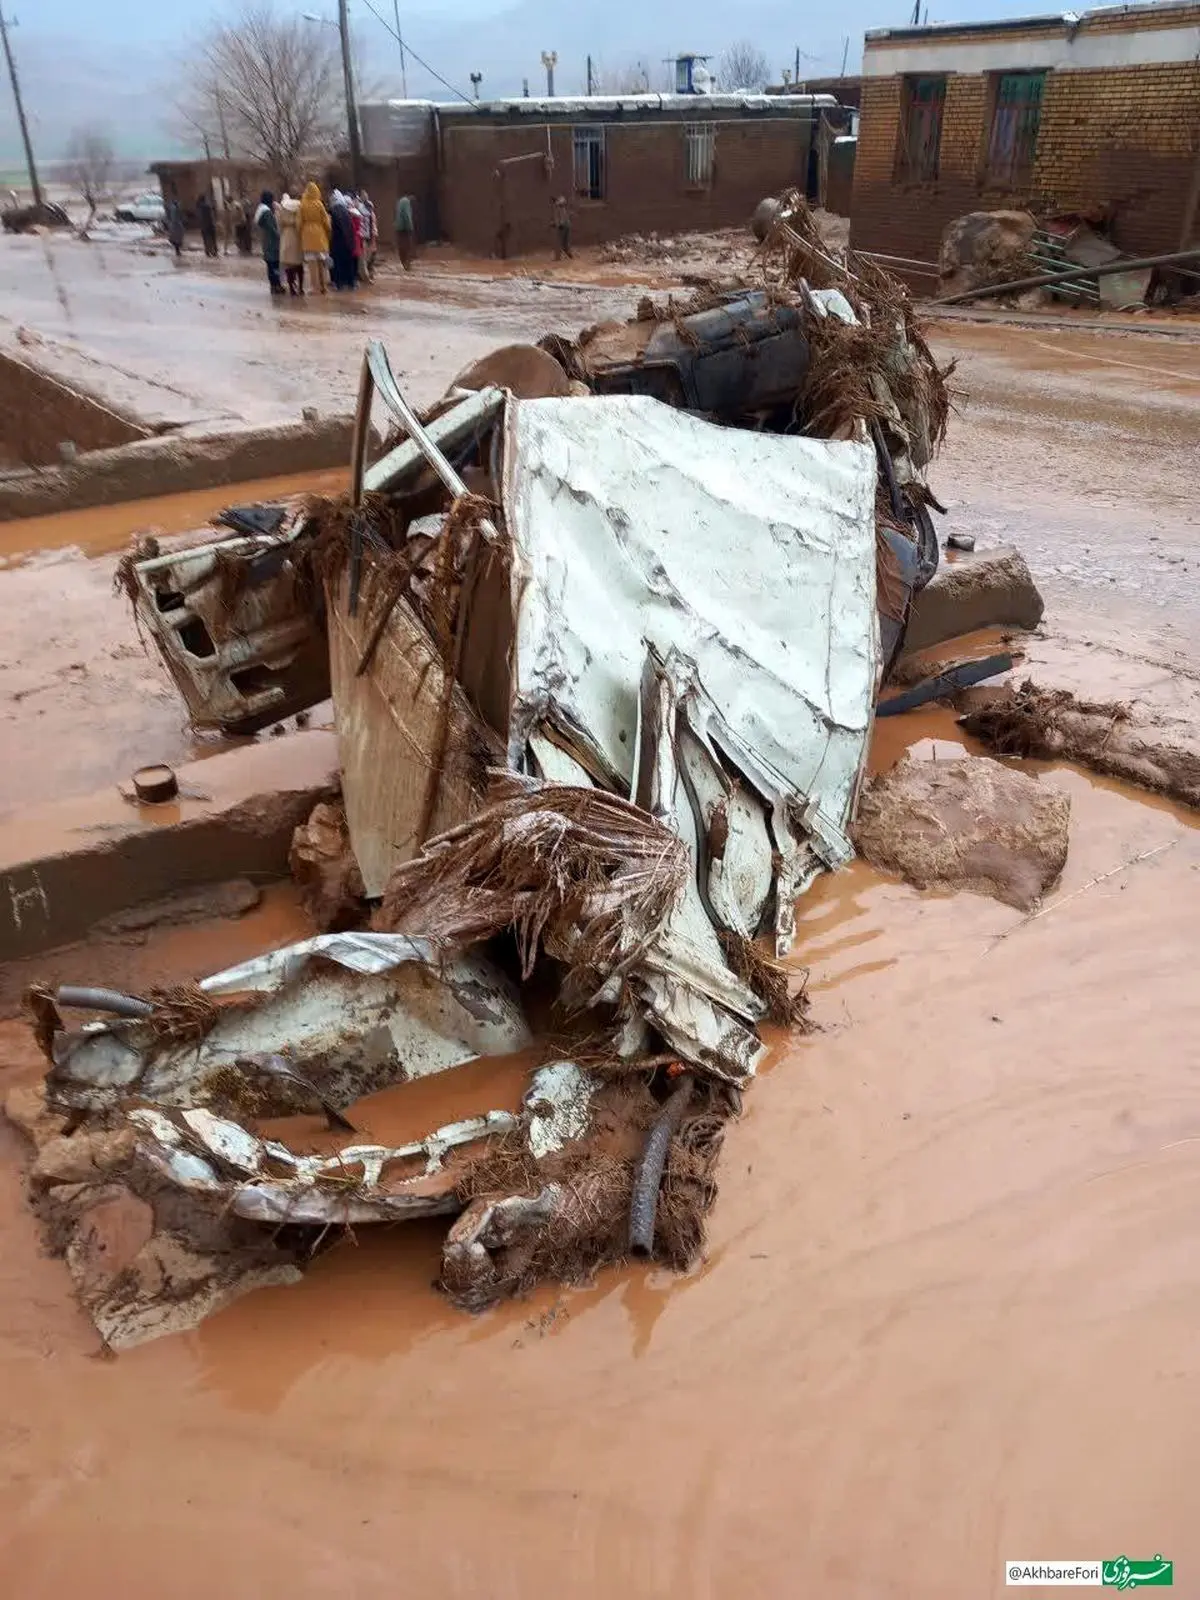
<point>985,247</point>
<point>992,589</point>
<point>969,824</point>
<point>1107,737</point>
<point>84,1157</point>
<point>323,865</point>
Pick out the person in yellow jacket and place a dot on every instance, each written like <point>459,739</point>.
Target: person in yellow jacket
<point>314,233</point>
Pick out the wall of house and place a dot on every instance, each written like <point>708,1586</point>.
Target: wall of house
<point>1117,137</point>
<point>646,189</point>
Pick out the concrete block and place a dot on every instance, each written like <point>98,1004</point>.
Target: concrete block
<point>66,866</point>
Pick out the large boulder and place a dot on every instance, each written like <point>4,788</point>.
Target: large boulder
<point>968,824</point>
<point>985,247</point>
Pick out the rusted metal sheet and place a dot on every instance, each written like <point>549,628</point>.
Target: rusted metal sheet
<point>234,630</point>
<point>388,721</point>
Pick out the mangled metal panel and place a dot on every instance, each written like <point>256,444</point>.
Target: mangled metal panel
<point>340,1016</point>
<point>232,622</point>
<point>749,556</point>
<point>264,1180</point>
<point>388,725</point>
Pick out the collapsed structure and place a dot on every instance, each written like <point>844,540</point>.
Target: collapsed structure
<point>603,631</point>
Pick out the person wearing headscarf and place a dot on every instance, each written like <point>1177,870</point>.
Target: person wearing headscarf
<point>267,224</point>
<point>341,242</point>
<point>370,234</point>
<point>291,251</point>
<point>314,234</point>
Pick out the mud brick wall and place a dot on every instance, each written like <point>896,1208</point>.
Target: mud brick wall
<point>37,414</point>
<point>646,189</point>
<point>1119,140</point>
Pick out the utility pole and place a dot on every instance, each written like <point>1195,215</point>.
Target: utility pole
<point>16,89</point>
<point>400,42</point>
<point>476,80</point>
<point>550,61</point>
<point>591,79</point>
<point>796,79</point>
<point>845,55</point>
<point>351,108</point>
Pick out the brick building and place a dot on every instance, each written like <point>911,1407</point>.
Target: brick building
<point>1097,115</point>
<point>484,175</point>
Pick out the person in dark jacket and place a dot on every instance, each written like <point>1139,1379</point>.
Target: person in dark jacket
<point>174,221</point>
<point>341,242</point>
<point>208,224</point>
<point>267,224</point>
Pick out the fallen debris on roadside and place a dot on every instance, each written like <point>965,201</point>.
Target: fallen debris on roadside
<point>1106,736</point>
<point>604,659</point>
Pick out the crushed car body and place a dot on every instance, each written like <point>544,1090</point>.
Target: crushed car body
<point>604,661</point>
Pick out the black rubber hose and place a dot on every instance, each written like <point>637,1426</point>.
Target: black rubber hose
<point>643,1203</point>
<point>121,1005</point>
<point>960,677</point>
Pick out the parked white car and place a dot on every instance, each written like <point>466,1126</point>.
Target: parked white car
<point>147,207</point>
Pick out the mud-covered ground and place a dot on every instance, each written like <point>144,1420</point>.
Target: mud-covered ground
<point>947,1317</point>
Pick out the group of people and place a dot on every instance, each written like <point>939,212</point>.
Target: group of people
<point>305,239</point>
<point>337,243</point>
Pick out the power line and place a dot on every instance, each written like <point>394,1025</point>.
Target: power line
<point>405,45</point>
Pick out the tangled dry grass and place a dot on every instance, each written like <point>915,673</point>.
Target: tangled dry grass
<point>583,874</point>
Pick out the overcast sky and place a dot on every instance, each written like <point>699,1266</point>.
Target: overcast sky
<point>112,61</point>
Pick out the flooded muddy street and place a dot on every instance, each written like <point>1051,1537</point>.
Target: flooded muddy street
<point>945,1314</point>
<point>952,1260</point>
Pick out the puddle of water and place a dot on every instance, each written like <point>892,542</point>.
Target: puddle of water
<point>101,530</point>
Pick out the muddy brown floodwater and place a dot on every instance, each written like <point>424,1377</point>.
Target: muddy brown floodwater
<point>947,1315</point>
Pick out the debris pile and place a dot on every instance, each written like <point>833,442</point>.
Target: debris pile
<point>604,663</point>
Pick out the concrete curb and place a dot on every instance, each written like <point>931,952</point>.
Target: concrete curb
<point>66,866</point>
<point>192,458</point>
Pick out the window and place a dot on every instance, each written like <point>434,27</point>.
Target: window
<point>1016,116</point>
<point>588,146</point>
<point>921,129</point>
<point>699,150</point>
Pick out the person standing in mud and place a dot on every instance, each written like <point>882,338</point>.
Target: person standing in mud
<point>344,268</point>
<point>405,231</point>
<point>314,234</point>
<point>370,235</point>
<point>561,224</point>
<point>291,251</point>
<point>208,224</point>
<point>267,224</point>
<point>174,221</point>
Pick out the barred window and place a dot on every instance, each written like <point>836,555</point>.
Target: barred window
<point>699,144</point>
<point>588,145</point>
<point>920,144</point>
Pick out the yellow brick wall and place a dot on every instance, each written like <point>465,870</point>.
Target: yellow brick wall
<point>1114,142</point>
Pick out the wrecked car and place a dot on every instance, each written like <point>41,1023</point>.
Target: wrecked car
<point>604,665</point>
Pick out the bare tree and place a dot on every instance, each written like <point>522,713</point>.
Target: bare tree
<point>266,89</point>
<point>743,66</point>
<point>632,77</point>
<point>90,163</point>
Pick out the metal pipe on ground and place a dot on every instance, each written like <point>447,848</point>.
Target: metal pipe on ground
<point>1046,280</point>
<point>925,268</point>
